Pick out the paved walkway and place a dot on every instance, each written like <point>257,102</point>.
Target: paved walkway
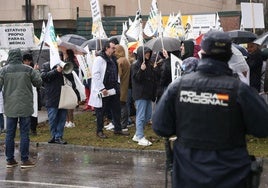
<point>73,166</point>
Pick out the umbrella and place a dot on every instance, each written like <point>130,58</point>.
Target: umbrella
<point>67,45</point>
<point>240,36</point>
<point>73,38</point>
<point>262,40</point>
<point>264,53</point>
<point>168,43</point>
<point>95,43</point>
<point>118,37</point>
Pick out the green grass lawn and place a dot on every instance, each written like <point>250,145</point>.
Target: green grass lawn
<point>85,134</point>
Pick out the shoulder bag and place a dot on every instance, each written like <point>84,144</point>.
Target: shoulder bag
<point>68,98</point>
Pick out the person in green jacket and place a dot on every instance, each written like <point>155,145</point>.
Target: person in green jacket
<point>16,80</point>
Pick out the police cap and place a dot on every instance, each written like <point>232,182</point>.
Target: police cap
<point>216,43</point>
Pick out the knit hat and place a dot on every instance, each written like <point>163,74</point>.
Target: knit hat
<point>216,43</point>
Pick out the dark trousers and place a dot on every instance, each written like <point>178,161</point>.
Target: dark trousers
<point>111,103</point>
<point>124,115</point>
<point>34,122</point>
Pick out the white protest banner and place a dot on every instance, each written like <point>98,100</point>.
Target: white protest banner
<point>252,14</point>
<point>17,35</point>
<point>176,64</point>
<point>151,26</point>
<point>95,10</point>
<point>97,27</point>
<point>135,29</point>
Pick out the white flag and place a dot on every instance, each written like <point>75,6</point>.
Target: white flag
<point>174,28</point>
<point>189,28</point>
<point>42,33</point>
<point>97,27</point>
<point>218,22</point>
<point>51,40</point>
<point>123,41</point>
<point>130,22</point>
<point>151,26</point>
<point>134,29</point>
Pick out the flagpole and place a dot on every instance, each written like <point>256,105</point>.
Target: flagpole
<point>253,17</point>
<point>139,4</point>
<point>42,43</point>
<point>161,36</point>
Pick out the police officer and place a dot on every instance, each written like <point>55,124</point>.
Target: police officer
<point>210,112</point>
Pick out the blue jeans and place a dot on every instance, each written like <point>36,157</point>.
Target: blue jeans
<point>143,115</point>
<point>56,120</point>
<point>25,123</point>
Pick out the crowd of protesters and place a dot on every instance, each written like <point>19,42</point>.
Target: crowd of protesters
<point>135,80</point>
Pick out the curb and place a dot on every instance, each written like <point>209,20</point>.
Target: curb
<point>73,147</point>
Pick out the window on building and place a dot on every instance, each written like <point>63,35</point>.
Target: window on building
<point>109,10</point>
<point>243,1</point>
<point>42,11</point>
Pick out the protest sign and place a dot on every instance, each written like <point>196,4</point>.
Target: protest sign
<point>176,67</point>
<point>17,35</point>
<point>253,15</point>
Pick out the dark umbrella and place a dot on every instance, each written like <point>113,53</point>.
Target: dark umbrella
<point>168,43</point>
<point>262,40</point>
<point>264,53</point>
<point>118,37</point>
<point>240,36</point>
<point>73,38</point>
<point>94,44</point>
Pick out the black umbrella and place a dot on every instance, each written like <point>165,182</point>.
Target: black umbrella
<point>262,40</point>
<point>73,38</point>
<point>118,37</point>
<point>95,43</point>
<point>168,43</point>
<point>240,36</point>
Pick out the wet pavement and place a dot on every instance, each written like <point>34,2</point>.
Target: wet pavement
<point>72,166</point>
<point>77,166</point>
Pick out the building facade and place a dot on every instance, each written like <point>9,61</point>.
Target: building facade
<point>66,12</point>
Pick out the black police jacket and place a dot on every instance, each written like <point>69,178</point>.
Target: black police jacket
<point>210,112</point>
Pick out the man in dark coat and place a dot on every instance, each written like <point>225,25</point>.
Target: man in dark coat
<point>210,112</point>
<point>53,80</point>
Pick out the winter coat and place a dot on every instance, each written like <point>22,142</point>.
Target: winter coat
<point>255,62</point>
<point>1,103</point>
<point>210,112</point>
<point>16,80</point>
<point>97,81</point>
<point>188,49</point>
<point>53,80</point>
<point>166,77</point>
<point>124,72</point>
<point>143,81</point>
